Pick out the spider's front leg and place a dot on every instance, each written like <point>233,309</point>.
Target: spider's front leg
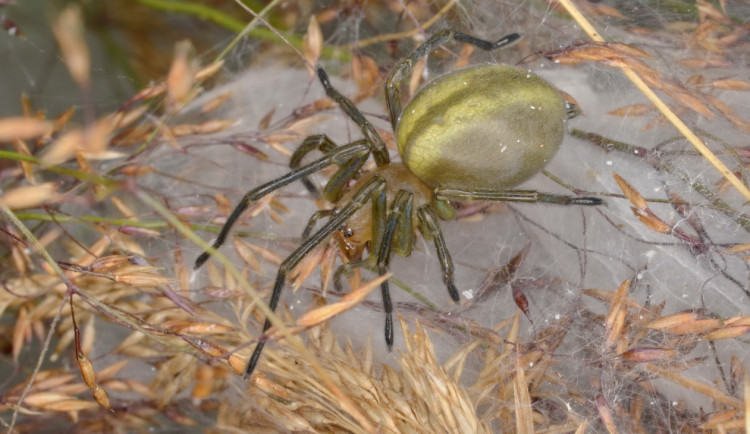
<point>320,142</point>
<point>340,156</point>
<point>371,188</point>
<point>377,145</point>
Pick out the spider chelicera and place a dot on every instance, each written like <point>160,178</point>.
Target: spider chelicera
<point>471,134</point>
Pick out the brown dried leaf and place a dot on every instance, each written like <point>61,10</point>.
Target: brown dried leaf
<point>87,372</point>
<point>615,319</point>
<point>42,399</point>
<point>305,268</point>
<point>641,355</point>
<point>326,312</point>
<point>28,168</point>
<point>204,381</point>
<point>672,320</point>
<point>267,254</point>
<point>728,332</point>
<point>238,364</point>
<point>605,414</point>
<point>136,170</point>
<point>69,405</point>
<point>21,332</point>
<point>215,103</point>
<point>632,110</point>
<point>708,390</point>
<point>694,326</point>
<point>63,148</point>
<point>109,263</point>
<point>738,248</point>
<point>327,266</point>
<point>651,221</point>
<point>181,77</point>
<point>365,74</point>
<point>246,254</point>
<point>124,119</point>
<point>630,193</point>
<point>213,126</point>
<point>564,59</point>
<point>520,299</point>
<point>691,101</point>
<point>628,50</point>
<point>209,70</point>
<point>23,128</point>
<point>312,43</point>
<point>608,296</point>
<point>738,321</point>
<point>70,34</point>
<point>143,279</point>
<point>111,370</point>
<point>594,53</point>
<point>101,397</point>
<point>191,327</point>
<point>729,84</point>
<point>522,400</point>
<point>29,196</point>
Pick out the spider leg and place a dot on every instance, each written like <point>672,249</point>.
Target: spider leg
<point>403,67</point>
<point>340,156</point>
<point>527,196</point>
<point>366,192</point>
<point>346,269</point>
<point>377,145</point>
<point>404,238</point>
<point>431,230</point>
<point>332,190</point>
<point>401,204</point>
<point>311,143</point>
<point>317,215</point>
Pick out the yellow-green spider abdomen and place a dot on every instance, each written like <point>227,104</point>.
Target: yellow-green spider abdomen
<point>487,127</point>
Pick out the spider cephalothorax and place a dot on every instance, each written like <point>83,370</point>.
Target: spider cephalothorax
<point>470,135</point>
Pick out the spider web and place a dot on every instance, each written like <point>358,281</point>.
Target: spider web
<point>567,249</point>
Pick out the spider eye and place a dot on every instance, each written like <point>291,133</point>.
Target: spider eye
<point>348,232</point>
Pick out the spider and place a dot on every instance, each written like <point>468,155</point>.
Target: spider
<point>472,134</point>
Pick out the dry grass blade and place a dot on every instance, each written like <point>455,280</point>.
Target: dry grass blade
<point>605,414</point>
<point>313,41</point>
<point>181,77</point>
<point>615,320</point>
<point>641,355</point>
<point>23,128</point>
<point>522,400</point>
<point>29,196</point>
<point>708,390</point>
<point>631,193</point>
<point>69,31</point>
